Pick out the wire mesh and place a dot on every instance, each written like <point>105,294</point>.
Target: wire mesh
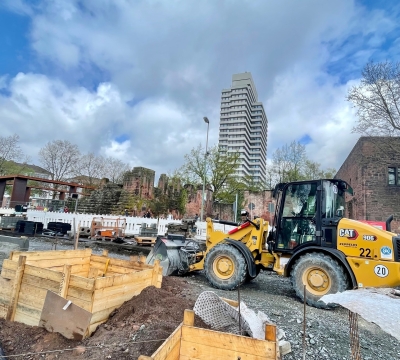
<point>355,353</point>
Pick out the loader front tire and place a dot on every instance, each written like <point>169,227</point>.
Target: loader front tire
<point>225,267</point>
<point>321,275</point>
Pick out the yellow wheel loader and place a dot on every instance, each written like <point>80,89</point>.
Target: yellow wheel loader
<point>310,242</point>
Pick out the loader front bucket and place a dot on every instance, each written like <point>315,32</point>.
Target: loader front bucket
<point>167,251</point>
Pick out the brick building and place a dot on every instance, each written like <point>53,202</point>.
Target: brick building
<point>373,171</point>
<point>140,181</point>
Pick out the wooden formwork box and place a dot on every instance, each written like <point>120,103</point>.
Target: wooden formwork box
<point>98,284</point>
<point>191,343</point>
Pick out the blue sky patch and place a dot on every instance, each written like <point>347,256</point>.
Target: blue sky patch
<point>305,139</point>
<point>122,138</point>
<point>15,52</point>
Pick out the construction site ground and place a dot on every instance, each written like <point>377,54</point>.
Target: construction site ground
<point>141,324</point>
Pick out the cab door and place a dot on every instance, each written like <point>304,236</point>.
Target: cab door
<point>298,220</point>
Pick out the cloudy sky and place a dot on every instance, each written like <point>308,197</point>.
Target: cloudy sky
<point>134,78</point>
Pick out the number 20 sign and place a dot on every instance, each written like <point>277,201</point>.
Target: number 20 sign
<point>381,271</point>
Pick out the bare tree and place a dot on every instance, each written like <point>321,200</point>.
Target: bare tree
<point>9,151</point>
<point>377,100</point>
<point>92,167</point>
<point>60,158</point>
<point>114,170</point>
<point>289,161</point>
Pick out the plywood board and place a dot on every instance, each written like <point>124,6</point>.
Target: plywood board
<point>81,282</point>
<point>170,348</point>
<point>72,322</point>
<point>58,254</point>
<point>225,341</point>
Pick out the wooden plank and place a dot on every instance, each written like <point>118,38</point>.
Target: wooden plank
<point>40,283</point>
<point>81,282</point>
<point>85,295</point>
<point>9,264</point>
<point>115,300</point>
<point>225,341</point>
<point>120,269</point>
<point>105,253</point>
<point>64,284</point>
<point>50,263</point>
<point>3,311</point>
<point>98,259</point>
<point>33,299</point>
<point>7,274</point>
<point>188,318</point>
<point>270,332</point>
<point>15,289</point>
<point>43,273</point>
<point>115,291</point>
<point>194,351</point>
<point>123,279</point>
<point>81,274</point>
<point>81,303</point>
<point>119,262</point>
<point>26,310</point>
<point>53,254</point>
<point>93,273</point>
<point>22,317</point>
<point>93,327</point>
<point>102,315</point>
<point>174,340</point>
<point>103,282</point>
<point>71,321</point>
<point>156,271</point>
<point>77,268</point>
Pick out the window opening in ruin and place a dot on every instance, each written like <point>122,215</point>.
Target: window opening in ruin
<point>393,175</point>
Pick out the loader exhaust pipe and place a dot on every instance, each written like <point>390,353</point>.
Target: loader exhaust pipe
<point>388,221</point>
<point>224,222</point>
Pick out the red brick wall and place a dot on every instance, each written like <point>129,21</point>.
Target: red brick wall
<point>366,170</point>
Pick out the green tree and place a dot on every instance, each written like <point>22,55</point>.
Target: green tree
<point>219,168</point>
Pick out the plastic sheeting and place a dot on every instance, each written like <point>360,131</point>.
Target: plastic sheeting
<point>379,306</point>
<point>221,316</point>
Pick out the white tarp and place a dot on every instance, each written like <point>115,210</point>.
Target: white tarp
<point>379,306</point>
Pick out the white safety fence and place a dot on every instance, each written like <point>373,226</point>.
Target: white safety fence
<point>133,224</point>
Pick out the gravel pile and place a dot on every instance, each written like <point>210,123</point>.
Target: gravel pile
<point>327,331</point>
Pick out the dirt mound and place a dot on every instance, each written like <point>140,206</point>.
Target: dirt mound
<point>138,327</point>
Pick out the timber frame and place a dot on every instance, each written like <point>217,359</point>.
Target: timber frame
<point>98,284</point>
<point>189,342</point>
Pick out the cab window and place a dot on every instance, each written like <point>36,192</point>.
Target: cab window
<point>298,226</point>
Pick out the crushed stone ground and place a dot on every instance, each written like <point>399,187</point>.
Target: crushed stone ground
<point>155,313</point>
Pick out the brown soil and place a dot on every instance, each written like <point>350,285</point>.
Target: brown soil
<point>138,327</point>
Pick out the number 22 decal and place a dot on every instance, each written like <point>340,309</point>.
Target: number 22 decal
<point>366,251</point>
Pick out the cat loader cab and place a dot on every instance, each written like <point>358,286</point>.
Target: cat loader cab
<point>311,242</point>
<point>316,246</point>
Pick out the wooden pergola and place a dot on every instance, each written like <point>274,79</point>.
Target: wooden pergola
<point>21,191</point>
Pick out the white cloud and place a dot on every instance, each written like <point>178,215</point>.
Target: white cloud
<point>173,58</point>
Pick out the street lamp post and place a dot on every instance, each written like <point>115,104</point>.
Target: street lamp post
<point>205,170</point>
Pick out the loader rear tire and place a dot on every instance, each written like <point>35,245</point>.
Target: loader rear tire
<point>225,267</point>
<point>321,275</point>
